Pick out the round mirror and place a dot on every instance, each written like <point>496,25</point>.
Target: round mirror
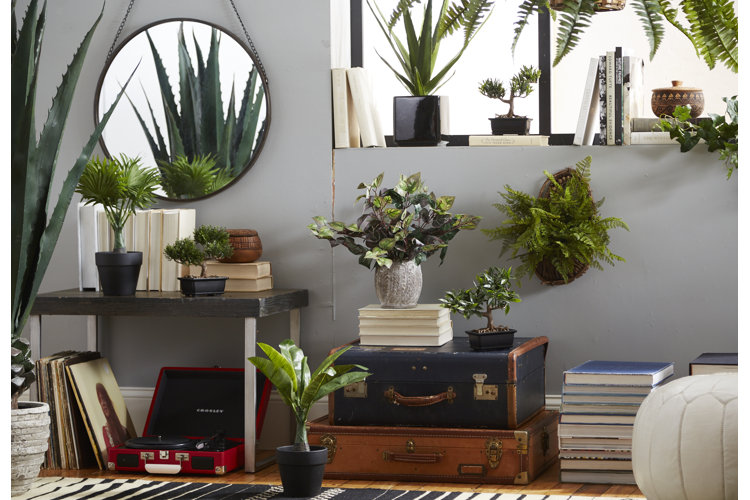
<point>196,108</point>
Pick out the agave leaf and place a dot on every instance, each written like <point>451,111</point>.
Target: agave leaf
<point>189,99</point>
<point>212,108</point>
<point>226,134</point>
<point>173,132</point>
<point>156,150</point>
<point>167,96</point>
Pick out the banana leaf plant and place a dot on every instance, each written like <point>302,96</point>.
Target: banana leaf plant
<point>418,56</point>
<point>34,229</point>
<point>288,371</point>
<point>198,127</point>
<point>712,25</point>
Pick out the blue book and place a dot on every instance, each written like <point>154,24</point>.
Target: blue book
<point>619,373</point>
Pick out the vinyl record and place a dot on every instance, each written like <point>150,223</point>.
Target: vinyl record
<point>159,443</point>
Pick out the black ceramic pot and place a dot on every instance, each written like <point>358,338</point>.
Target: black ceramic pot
<point>301,471</point>
<point>416,120</point>
<point>203,286</point>
<point>490,340</point>
<point>516,126</point>
<point>118,272</point>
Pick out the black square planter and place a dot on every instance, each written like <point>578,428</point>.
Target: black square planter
<point>192,287</point>
<point>416,120</point>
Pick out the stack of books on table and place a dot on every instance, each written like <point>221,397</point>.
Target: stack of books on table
<point>424,325</point>
<point>242,276</point>
<point>599,402</point>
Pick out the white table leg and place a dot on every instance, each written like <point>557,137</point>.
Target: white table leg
<point>250,396</point>
<point>92,330</point>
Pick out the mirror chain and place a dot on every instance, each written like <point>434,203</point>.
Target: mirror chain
<point>119,30</point>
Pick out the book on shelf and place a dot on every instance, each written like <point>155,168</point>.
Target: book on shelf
<point>597,476</point>
<point>596,431</point>
<point>422,311</point>
<point>345,124</point>
<point>105,236</point>
<point>648,138</point>
<point>596,464</point>
<point>155,219</point>
<point>610,93</point>
<point>370,129</point>
<point>611,408</point>
<point>588,113</point>
<point>601,74</point>
<point>236,270</point>
<point>619,372</point>
<point>586,443</point>
<point>416,331</point>
<point>714,362</point>
<point>407,340</point>
<point>249,285</point>
<point>632,93</point>
<point>618,105</point>
<point>643,124</point>
<point>140,244</point>
<point>88,276</point>
<point>46,393</point>
<point>603,398</point>
<point>508,140</point>
<point>595,453</point>
<point>404,322</point>
<point>176,224</point>
<point>588,418</point>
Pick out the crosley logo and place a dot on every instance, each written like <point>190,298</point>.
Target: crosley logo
<point>209,410</point>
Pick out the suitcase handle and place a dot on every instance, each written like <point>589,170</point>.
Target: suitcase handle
<point>398,399</point>
<point>163,468</point>
<point>414,458</point>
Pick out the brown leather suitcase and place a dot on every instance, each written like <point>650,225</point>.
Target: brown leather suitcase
<point>439,454</point>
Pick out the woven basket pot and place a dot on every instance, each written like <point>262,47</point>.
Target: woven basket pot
<point>545,271</point>
<point>246,244</point>
<point>29,436</point>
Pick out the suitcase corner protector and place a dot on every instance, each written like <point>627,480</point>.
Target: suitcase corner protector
<point>521,478</point>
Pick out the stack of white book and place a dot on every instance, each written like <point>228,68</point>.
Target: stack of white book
<point>242,276</point>
<point>424,325</point>
<point>599,403</point>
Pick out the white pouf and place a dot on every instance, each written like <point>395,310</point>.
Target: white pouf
<point>685,440</point>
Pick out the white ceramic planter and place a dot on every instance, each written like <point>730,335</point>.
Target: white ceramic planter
<point>399,286</point>
<point>29,426</point>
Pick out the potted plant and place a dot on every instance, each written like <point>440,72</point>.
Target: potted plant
<point>184,179</point>
<point>520,87</point>
<point>560,233</point>
<point>208,242</point>
<point>400,227</point>
<point>36,218</point>
<point>416,118</point>
<point>492,290</point>
<point>301,466</point>
<point>120,185</point>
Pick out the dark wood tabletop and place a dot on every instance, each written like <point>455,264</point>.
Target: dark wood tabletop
<point>229,305</point>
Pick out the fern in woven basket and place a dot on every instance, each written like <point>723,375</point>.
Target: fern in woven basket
<point>562,229</point>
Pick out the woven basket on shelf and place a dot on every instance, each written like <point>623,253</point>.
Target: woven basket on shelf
<point>599,5</point>
<point>545,271</point>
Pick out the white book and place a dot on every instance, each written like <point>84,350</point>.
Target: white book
<point>632,94</point>
<point>140,244</point>
<point>88,277</point>
<point>406,340</point>
<point>644,138</point>
<point>596,431</point>
<point>411,331</point>
<point>610,93</point>
<point>597,476</point>
<point>154,249</point>
<point>128,233</point>
<point>421,311</point>
<point>585,418</point>
<point>176,225</point>
<point>363,107</point>
<point>583,443</point>
<point>603,398</point>
<point>595,463</point>
<point>404,322</point>
<point>589,113</point>
<point>508,140</point>
<point>345,125</point>
<point>105,234</point>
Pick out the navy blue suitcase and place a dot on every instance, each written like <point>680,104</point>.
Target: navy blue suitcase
<point>447,386</point>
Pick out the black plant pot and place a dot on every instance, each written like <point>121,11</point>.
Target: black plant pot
<point>416,120</point>
<point>490,340</point>
<point>516,126</point>
<point>202,286</point>
<point>118,272</point>
<point>301,471</point>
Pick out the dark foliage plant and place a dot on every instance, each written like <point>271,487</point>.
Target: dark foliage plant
<point>208,242</point>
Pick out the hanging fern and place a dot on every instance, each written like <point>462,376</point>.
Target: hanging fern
<point>715,30</point>
<point>650,13</point>
<point>574,19</point>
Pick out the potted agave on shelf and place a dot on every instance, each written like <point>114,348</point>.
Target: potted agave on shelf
<point>520,87</point>
<point>301,466</point>
<point>208,242</point>
<point>492,291</point>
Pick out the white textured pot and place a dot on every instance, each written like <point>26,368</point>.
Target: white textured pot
<point>398,286</point>
<point>29,437</point>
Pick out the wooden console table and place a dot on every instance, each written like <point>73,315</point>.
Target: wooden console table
<point>246,305</point>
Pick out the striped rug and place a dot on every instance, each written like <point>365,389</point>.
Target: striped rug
<point>53,488</point>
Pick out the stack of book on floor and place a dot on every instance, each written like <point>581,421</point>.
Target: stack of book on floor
<point>242,276</point>
<point>424,325</point>
<point>599,403</point>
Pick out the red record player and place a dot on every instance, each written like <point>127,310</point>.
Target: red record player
<point>195,424</point>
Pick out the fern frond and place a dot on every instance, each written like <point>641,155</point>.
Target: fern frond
<point>398,12</point>
<point>525,11</point>
<point>574,18</point>
<point>650,13</point>
<point>715,29</point>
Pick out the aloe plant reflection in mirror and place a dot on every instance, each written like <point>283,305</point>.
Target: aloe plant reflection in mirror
<point>202,99</point>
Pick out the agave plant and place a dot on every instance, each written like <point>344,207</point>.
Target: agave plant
<point>34,231</point>
<point>712,25</point>
<point>418,56</point>
<point>198,127</point>
<point>187,179</point>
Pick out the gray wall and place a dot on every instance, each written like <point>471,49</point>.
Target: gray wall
<point>674,298</point>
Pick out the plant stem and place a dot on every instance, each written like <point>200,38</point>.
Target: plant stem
<point>300,437</point>
<point>119,245</point>
<point>488,315</point>
<point>203,269</point>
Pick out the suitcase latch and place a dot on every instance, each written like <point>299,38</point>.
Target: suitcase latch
<point>329,441</point>
<point>493,448</point>
<point>356,390</point>
<point>523,442</point>
<point>482,391</point>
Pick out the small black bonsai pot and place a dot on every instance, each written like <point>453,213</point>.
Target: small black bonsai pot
<point>118,272</point>
<point>517,126</point>
<point>486,341</point>
<point>213,285</point>
<point>416,120</point>
<point>301,471</point>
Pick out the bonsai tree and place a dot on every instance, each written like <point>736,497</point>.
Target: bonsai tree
<point>288,371</point>
<point>397,224</point>
<point>561,230</point>
<point>491,291</point>
<point>185,179</point>
<point>417,56</point>
<point>208,242</point>
<point>120,185</point>
<point>520,87</point>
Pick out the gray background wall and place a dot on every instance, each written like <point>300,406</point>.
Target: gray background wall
<point>674,298</point>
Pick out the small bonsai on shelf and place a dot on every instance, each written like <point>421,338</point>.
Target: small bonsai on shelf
<point>492,291</point>
<point>520,87</point>
<point>208,242</point>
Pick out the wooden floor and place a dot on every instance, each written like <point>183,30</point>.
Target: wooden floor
<point>546,484</point>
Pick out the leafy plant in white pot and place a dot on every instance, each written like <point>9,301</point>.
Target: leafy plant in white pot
<point>301,466</point>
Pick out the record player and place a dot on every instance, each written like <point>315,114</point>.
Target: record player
<point>195,424</point>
